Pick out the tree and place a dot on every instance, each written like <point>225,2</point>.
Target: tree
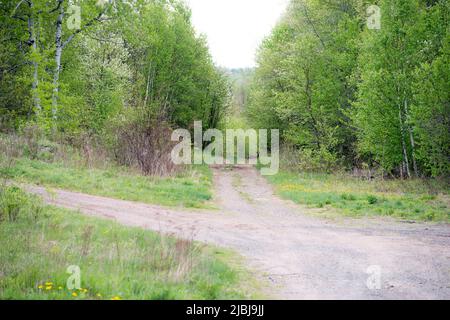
<point>302,83</point>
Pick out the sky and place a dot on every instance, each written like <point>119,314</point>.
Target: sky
<point>235,28</point>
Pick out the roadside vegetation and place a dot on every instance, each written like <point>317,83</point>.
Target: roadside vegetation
<point>59,166</point>
<point>38,243</point>
<point>422,200</point>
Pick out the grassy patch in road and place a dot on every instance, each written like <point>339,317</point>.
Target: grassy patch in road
<point>412,199</point>
<point>190,188</point>
<point>38,244</point>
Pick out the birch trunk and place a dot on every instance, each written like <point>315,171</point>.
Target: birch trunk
<point>412,142</point>
<point>405,152</point>
<point>149,85</point>
<point>58,54</point>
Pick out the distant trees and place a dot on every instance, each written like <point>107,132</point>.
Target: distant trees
<point>239,80</point>
<point>343,93</point>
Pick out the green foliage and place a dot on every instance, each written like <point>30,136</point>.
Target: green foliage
<point>372,199</point>
<point>301,85</point>
<point>340,91</point>
<point>125,55</point>
<point>116,262</point>
<point>16,205</point>
<point>386,62</point>
<point>191,188</point>
<point>422,200</point>
<point>430,113</point>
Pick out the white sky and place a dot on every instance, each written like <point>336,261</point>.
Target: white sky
<point>235,28</point>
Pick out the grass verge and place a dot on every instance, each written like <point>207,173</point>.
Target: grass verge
<point>39,243</point>
<point>191,188</point>
<point>413,199</point>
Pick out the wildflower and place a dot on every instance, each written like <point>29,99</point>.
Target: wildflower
<point>74,294</point>
<point>41,286</point>
<point>116,298</point>
<point>49,284</point>
<point>48,288</point>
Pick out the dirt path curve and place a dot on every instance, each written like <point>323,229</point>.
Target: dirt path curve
<point>304,257</point>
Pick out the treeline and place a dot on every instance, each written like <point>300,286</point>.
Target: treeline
<point>347,94</point>
<point>102,68</point>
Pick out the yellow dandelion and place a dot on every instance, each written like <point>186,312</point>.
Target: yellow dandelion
<point>41,286</point>
<point>49,284</point>
<point>48,288</point>
<point>74,294</point>
<point>116,298</point>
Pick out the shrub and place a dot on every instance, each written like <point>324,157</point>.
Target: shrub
<point>144,141</point>
<point>372,199</point>
<point>348,197</point>
<point>10,149</point>
<point>308,160</point>
<point>16,204</point>
<point>32,135</point>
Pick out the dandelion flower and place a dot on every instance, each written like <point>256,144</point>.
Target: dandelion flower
<point>74,294</point>
<point>48,288</point>
<point>116,298</point>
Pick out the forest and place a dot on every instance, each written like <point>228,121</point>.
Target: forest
<point>346,95</point>
<point>86,72</point>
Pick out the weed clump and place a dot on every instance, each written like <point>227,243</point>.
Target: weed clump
<point>372,199</point>
<point>15,204</point>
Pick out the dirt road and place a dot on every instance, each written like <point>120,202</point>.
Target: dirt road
<point>301,256</point>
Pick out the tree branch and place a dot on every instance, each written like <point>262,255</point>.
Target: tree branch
<point>98,18</point>
<point>60,2</point>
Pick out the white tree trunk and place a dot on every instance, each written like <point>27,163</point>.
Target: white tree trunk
<point>58,54</point>
<point>412,142</point>
<point>405,151</point>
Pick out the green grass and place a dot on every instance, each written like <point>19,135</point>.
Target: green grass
<point>38,246</point>
<point>191,188</point>
<point>413,200</point>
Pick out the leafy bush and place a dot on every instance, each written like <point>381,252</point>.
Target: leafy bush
<point>308,160</point>
<point>32,135</point>
<point>16,204</point>
<point>372,199</point>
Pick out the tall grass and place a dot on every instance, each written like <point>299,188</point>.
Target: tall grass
<point>116,262</point>
<point>65,167</point>
<point>426,200</point>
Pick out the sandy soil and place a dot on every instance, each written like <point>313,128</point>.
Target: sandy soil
<point>301,256</point>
